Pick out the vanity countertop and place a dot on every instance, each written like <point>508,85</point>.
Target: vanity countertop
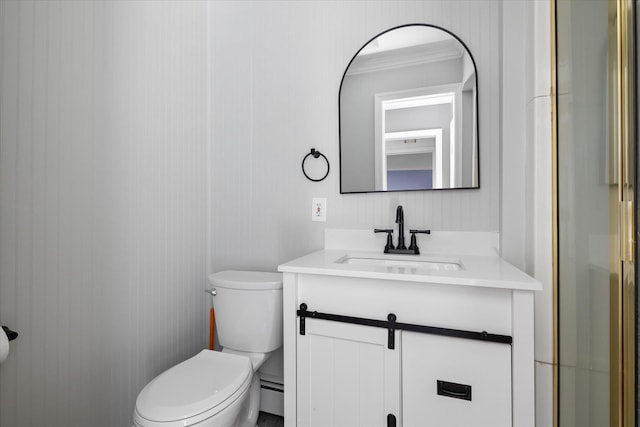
<point>476,271</point>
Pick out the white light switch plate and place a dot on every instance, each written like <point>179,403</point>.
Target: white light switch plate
<point>319,209</point>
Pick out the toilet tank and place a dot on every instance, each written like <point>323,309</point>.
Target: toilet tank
<point>248,310</point>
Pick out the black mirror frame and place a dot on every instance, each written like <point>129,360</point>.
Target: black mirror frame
<point>477,111</point>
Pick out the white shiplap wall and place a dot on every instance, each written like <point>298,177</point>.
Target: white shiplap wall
<point>103,203</point>
<point>276,70</point>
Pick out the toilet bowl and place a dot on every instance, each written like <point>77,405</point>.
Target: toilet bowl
<point>221,389</point>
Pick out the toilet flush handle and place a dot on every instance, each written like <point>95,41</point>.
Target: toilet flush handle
<point>212,292</point>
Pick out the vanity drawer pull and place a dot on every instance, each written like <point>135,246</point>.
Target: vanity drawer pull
<point>457,391</point>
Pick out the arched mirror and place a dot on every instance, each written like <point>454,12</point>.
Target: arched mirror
<point>409,113</point>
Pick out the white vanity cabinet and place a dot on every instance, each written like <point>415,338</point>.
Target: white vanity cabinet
<point>391,347</point>
<point>450,382</point>
<point>346,375</point>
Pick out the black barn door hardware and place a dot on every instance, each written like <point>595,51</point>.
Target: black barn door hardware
<point>391,325</point>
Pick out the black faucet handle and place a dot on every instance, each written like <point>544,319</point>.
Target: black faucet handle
<point>413,246</point>
<point>389,232</point>
<point>420,231</point>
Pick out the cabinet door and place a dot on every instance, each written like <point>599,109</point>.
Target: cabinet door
<point>455,382</point>
<point>346,376</point>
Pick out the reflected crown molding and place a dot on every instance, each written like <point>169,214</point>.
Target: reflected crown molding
<point>415,55</point>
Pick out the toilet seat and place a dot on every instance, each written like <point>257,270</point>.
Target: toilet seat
<point>197,388</point>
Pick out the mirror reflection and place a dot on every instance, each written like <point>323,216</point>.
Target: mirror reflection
<point>408,113</point>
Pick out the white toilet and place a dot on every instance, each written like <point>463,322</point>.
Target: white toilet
<point>219,389</point>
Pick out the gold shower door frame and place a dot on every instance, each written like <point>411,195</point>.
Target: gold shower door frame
<point>622,164</point>
<point>621,102</point>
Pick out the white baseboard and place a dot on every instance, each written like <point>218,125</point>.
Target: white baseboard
<point>272,398</point>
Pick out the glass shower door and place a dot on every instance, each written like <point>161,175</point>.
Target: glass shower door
<point>595,192</point>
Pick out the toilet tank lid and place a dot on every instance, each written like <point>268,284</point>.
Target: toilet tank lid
<point>256,280</point>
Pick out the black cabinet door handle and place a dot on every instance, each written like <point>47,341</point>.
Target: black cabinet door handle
<point>457,391</point>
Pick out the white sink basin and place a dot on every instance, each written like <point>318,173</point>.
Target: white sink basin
<point>402,261</point>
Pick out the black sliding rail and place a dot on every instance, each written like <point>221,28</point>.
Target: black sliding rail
<point>391,325</point>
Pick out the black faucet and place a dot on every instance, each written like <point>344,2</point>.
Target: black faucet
<point>401,248</point>
<point>400,222</point>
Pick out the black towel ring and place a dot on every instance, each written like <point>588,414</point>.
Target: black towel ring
<point>315,153</point>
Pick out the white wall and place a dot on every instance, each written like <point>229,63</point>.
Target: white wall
<point>103,203</point>
<point>526,217</point>
<point>274,96</point>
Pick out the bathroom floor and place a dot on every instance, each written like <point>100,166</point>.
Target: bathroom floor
<point>270,420</point>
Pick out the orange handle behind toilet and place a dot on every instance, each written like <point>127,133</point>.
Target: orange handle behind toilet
<point>212,324</point>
